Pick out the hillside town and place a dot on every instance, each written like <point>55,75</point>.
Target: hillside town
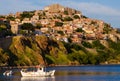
<point>57,22</point>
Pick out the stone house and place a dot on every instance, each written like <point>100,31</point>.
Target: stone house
<point>14,27</point>
<point>44,29</point>
<point>44,21</point>
<point>26,20</point>
<point>35,18</point>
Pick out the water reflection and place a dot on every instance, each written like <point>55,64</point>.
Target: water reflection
<point>76,73</point>
<point>37,78</point>
<point>10,78</point>
<point>18,78</point>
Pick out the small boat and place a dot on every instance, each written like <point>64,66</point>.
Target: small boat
<point>40,72</point>
<point>8,73</point>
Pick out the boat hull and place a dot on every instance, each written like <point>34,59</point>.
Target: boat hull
<point>38,73</point>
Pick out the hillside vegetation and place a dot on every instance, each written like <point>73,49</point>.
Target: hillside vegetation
<point>27,51</point>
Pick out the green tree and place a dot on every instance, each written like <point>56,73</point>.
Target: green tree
<point>11,18</point>
<point>69,40</point>
<point>50,59</point>
<point>76,17</point>
<point>98,45</point>
<point>2,16</point>
<point>3,57</point>
<point>26,14</point>
<point>44,14</point>
<point>3,27</point>
<point>38,25</point>
<point>58,23</point>
<point>66,12</point>
<point>27,26</point>
<point>102,55</point>
<point>84,16</point>
<point>60,32</point>
<point>107,29</point>
<point>87,44</point>
<point>75,46</point>
<point>68,19</point>
<point>4,30</point>
<point>79,30</point>
<point>78,56</point>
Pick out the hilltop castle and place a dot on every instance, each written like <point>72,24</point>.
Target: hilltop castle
<point>55,8</point>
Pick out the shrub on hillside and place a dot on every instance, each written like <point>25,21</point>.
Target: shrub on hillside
<point>87,44</point>
<point>98,45</point>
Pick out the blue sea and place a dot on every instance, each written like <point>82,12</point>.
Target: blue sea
<point>72,73</point>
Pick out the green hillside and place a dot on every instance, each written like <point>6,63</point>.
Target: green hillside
<point>28,51</point>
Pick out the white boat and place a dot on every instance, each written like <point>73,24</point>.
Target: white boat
<point>40,72</point>
<point>8,73</point>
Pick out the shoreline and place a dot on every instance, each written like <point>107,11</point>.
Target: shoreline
<point>20,67</point>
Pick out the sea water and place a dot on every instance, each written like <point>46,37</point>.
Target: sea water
<point>73,73</point>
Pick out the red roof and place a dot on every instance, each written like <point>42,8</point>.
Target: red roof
<point>2,19</point>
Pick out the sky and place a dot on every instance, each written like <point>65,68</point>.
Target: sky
<point>106,10</point>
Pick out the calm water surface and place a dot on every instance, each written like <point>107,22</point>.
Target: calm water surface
<point>73,73</point>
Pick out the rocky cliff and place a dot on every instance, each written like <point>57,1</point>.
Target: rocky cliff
<point>20,50</point>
